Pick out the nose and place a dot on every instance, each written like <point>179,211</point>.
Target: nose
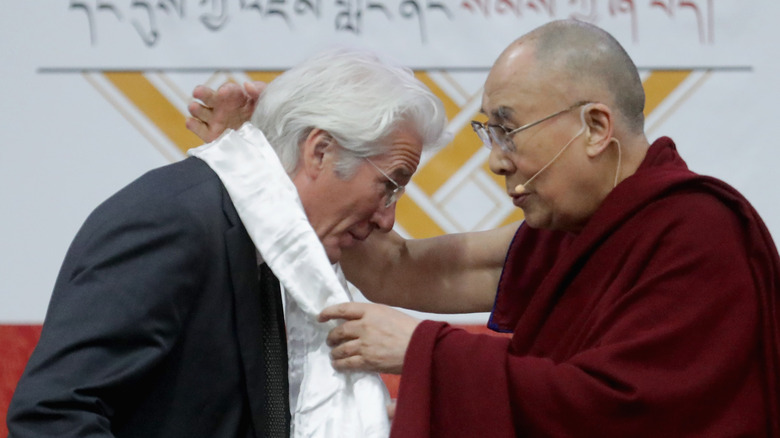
<point>499,163</point>
<point>384,217</point>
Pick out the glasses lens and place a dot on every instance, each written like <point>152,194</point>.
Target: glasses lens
<point>482,133</point>
<point>501,138</point>
<point>393,197</point>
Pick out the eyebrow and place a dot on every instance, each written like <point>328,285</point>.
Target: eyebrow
<point>502,113</point>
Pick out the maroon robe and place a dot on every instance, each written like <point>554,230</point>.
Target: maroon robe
<point>659,319</point>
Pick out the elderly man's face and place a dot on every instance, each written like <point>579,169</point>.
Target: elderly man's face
<point>517,94</point>
<point>345,211</point>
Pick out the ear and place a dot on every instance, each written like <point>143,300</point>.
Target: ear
<point>599,122</point>
<point>317,149</point>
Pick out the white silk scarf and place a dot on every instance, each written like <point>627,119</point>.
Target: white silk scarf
<point>327,403</point>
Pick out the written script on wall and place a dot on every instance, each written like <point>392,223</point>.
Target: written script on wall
<point>152,20</point>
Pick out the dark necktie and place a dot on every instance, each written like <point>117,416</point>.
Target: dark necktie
<point>277,402</point>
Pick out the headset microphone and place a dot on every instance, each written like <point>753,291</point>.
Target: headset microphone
<point>520,188</point>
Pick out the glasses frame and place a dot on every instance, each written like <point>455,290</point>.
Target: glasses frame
<point>391,197</point>
<point>487,132</point>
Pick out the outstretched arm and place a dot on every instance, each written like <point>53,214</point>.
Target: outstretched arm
<point>226,108</point>
<point>454,273</point>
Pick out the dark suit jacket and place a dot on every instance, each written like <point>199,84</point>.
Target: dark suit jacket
<point>153,329</point>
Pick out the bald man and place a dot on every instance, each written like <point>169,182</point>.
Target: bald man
<point>641,297</point>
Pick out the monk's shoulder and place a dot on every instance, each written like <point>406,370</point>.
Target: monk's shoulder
<point>695,213</point>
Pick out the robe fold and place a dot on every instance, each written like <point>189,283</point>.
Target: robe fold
<point>659,319</point>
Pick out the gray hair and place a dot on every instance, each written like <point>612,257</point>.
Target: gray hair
<point>359,98</point>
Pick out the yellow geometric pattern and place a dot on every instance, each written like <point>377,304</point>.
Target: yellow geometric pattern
<point>157,108</point>
<point>440,193</point>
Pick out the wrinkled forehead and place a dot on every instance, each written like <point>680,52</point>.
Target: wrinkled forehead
<point>403,153</point>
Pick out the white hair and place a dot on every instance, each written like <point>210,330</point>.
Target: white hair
<point>356,96</point>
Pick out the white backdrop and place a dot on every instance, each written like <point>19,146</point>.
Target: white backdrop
<point>68,145</point>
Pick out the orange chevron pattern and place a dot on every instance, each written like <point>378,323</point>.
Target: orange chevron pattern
<point>423,215</point>
<point>135,94</point>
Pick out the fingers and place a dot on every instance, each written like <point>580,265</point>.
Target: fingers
<point>199,122</point>
<point>346,350</point>
<point>372,337</point>
<point>205,95</point>
<point>348,311</point>
<point>199,111</point>
<point>229,92</point>
<point>229,96</point>
<point>353,363</point>
<point>198,128</point>
<point>201,115</point>
<point>349,356</point>
<point>215,111</point>
<point>345,332</point>
<point>254,89</point>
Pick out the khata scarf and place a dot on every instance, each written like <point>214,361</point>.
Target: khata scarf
<point>327,403</point>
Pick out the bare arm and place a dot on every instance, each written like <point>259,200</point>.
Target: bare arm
<point>445,274</point>
<point>453,273</point>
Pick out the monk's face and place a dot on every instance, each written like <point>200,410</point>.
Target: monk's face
<point>516,93</point>
<point>345,210</point>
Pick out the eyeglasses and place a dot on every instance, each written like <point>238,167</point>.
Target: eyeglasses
<point>392,194</point>
<point>502,136</point>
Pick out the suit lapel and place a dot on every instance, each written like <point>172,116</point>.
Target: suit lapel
<point>243,273</point>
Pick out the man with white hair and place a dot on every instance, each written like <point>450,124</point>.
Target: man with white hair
<point>642,297</point>
<point>160,325</point>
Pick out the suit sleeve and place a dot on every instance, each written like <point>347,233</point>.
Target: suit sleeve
<point>121,299</point>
